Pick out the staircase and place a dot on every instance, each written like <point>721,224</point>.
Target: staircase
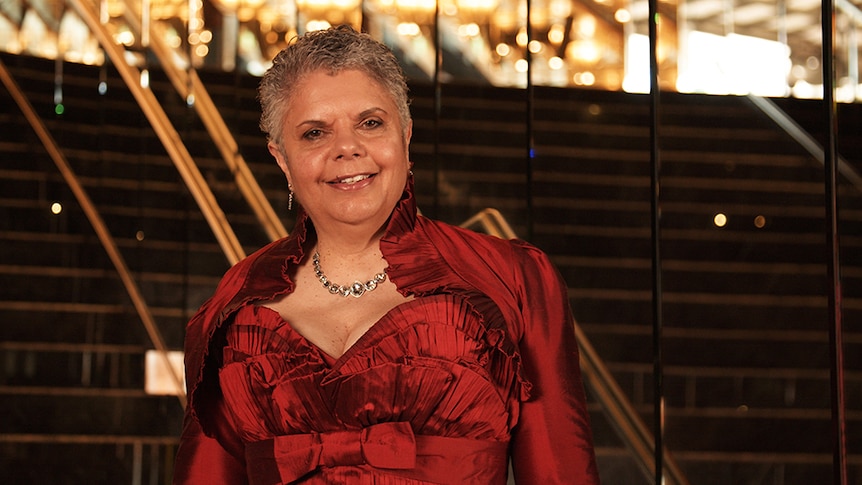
<point>745,340</point>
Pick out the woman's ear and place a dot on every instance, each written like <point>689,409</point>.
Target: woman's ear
<point>408,133</point>
<point>277,153</point>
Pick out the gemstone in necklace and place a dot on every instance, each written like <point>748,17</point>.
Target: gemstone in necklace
<point>356,290</point>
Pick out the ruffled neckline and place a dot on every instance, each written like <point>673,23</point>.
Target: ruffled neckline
<point>442,341</point>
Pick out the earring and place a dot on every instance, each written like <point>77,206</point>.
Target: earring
<point>290,197</point>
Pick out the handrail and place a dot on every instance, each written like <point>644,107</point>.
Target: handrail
<point>622,415</point>
<point>852,10</point>
<point>492,222</point>
<point>189,84</point>
<point>97,222</point>
<point>168,135</point>
<point>792,128</point>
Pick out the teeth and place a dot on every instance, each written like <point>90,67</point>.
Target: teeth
<point>353,180</point>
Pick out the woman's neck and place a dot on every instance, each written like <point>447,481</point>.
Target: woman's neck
<point>349,251</point>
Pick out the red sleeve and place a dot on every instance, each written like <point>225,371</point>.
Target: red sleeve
<point>206,460</point>
<point>552,443</point>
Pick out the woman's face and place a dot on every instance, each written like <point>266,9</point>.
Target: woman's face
<point>344,150</point>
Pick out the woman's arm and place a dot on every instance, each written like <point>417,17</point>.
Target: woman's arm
<point>552,443</point>
<point>206,460</point>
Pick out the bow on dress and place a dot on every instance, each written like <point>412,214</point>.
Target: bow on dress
<point>385,445</point>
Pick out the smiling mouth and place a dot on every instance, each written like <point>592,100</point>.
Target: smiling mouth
<point>352,180</point>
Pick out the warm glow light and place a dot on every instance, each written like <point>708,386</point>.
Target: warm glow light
<point>317,25</point>
<point>521,38</point>
<point>805,90</point>
<point>91,58</point>
<point>734,64</point>
<point>468,30</point>
<point>587,26</point>
<point>195,24</point>
<point>125,37</point>
<point>622,16</point>
<point>759,222</point>
<point>593,48</point>
<point>535,46</point>
<point>145,78</point>
<point>139,235</point>
<point>245,14</point>
<point>556,34</point>
<point>585,78</point>
<point>584,51</point>
<point>478,5</point>
<point>174,40</point>
<point>555,63</point>
<point>416,5</point>
<point>505,19</point>
<point>560,8</point>
<point>56,208</point>
<point>408,29</point>
<point>720,220</point>
<point>521,65</point>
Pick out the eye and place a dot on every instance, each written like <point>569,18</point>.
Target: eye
<point>372,123</point>
<point>312,134</point>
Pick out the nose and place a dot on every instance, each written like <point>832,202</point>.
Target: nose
<point>348,145</point>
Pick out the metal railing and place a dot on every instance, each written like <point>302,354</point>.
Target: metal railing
<point>805,140</point>
<point>101,229</point>
<point>190,87</point>
<point>167,134</point>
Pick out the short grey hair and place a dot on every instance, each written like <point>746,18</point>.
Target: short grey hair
<point>335,49</point>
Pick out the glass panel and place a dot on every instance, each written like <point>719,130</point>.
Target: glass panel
<point>746,324</point>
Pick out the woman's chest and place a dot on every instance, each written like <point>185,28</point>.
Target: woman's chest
<point>334,323</point>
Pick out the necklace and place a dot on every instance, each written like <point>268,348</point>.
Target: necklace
<point>356,290</point>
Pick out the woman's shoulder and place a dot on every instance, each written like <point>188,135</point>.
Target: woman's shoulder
<point>488,246</point>
<point>277,251</point>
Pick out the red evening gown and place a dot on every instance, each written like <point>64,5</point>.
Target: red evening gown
<point>480,368</point>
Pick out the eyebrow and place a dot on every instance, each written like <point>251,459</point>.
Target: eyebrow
<point>369,111</point>
<point>362,114</point>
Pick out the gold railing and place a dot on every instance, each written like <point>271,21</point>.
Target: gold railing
<point>189,86</point>
<point>167,134</point>
<point>97,222</point>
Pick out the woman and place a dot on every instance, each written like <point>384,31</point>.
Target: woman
<point>439,355</point>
